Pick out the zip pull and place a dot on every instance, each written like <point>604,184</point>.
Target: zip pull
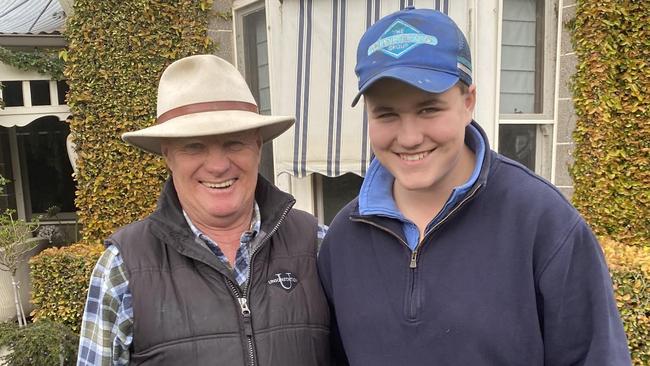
<point>414,259</point>
<point>243,304</point>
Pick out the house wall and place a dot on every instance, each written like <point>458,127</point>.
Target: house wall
<point>220,29</point>
<point>566,117</point>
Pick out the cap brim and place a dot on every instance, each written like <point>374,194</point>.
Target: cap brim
<point>208,124</point>
<point>432,81</point>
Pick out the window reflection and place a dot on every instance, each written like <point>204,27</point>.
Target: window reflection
<point>518,142</point>
<point>45,166</point>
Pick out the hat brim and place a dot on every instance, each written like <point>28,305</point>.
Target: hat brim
<point>208,124</point>
<point>432,81</point>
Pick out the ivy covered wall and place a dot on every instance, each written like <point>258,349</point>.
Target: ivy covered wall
<point>611,172</point>
<point>117,51</point>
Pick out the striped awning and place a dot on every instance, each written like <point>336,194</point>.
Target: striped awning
<point>31,16</point>
<point>312,50</point>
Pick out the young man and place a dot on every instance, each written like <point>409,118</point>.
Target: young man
<point>453,254</point>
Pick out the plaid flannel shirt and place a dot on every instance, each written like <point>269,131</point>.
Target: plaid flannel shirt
<point>107,325</point>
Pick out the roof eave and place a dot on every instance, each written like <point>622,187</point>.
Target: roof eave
<point>33,40</point>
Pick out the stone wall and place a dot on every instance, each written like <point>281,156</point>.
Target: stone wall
<point>220,29</point>
<point>566,115</point>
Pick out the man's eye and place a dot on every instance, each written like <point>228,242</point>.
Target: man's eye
<point>193,147</point>
<point>428,110</point>
<point>385,115</point>
<point>234,145</point>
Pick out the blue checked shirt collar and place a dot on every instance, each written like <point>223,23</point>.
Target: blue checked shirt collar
<point>242,258</point>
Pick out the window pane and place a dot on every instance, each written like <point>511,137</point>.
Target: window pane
<point>521,57</point>
<point>62,90</point>
<point>12,93</point>
<point>257,76</point>
<point>8,195</point>
<point>46,167</point>
<point>40,90</point>
<point>337,192</point>
<point>518,142</point>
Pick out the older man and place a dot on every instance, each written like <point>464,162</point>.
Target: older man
<point>224,271</point>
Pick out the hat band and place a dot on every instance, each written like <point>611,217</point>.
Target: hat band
<point>206,107</point>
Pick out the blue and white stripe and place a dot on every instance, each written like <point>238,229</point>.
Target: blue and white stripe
<point>313,45</point>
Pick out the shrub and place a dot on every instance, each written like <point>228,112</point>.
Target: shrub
<point>43,343</point>
<point>610,93</point>
<point>117,52</point>
<point>630,269</point>
<point>60,278</point>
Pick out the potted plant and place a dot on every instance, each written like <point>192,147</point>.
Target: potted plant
<point>16,246</point>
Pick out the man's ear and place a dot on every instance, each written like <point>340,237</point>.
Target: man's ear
<point>164,151</point>
<point>470,98</point>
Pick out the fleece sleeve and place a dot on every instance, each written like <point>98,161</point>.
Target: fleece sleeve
<point>578,314</point>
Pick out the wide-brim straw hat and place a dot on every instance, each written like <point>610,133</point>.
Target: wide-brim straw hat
<point>204,95</point>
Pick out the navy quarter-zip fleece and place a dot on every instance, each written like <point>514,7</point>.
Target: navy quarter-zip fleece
<point>512,276</point>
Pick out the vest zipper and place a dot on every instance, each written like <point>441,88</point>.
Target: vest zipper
<point>246,317</point>
<point>243,300</point>
<point>248,327</point>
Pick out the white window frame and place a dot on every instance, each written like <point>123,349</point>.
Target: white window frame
<point>22,116</point>
<point>546,119</point>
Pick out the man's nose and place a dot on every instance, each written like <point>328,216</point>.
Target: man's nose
<point>217,160</point>
<point>410,135</point>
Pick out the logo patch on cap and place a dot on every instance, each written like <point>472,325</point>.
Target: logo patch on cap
<point>285,280</point>
<point>400,38</point>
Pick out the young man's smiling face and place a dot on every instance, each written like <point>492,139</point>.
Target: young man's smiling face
<point>419,136</point>
<point>215,176</point>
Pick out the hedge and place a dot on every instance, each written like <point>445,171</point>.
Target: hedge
<point>42,343</point>
<point>117,51</point>
<point>60,278</point>
<point>630,269</point>
<point>611,172</point>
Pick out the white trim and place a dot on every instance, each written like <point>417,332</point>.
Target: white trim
<point>497,83</point>
<point>526,122</point>
<point>318,194</point>
<point>238,4</point>
<point>27,94</point>
<point>554,142</point>
<point>483,32</point>
<point>303,190</point>
<point>24,116</point>
<point>17,174</point>
<point>54,93</point>
<point>564,143</point>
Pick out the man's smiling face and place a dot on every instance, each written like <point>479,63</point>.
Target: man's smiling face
<point>215,176</point>
<point>419,136</point>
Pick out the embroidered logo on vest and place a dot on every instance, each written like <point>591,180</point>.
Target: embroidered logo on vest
<point>285,280</point>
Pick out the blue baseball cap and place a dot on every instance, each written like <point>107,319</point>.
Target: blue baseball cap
<point>421,47</point>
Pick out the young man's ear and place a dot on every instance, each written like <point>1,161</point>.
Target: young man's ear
<point>470,102</point>
<point>470,98</point>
